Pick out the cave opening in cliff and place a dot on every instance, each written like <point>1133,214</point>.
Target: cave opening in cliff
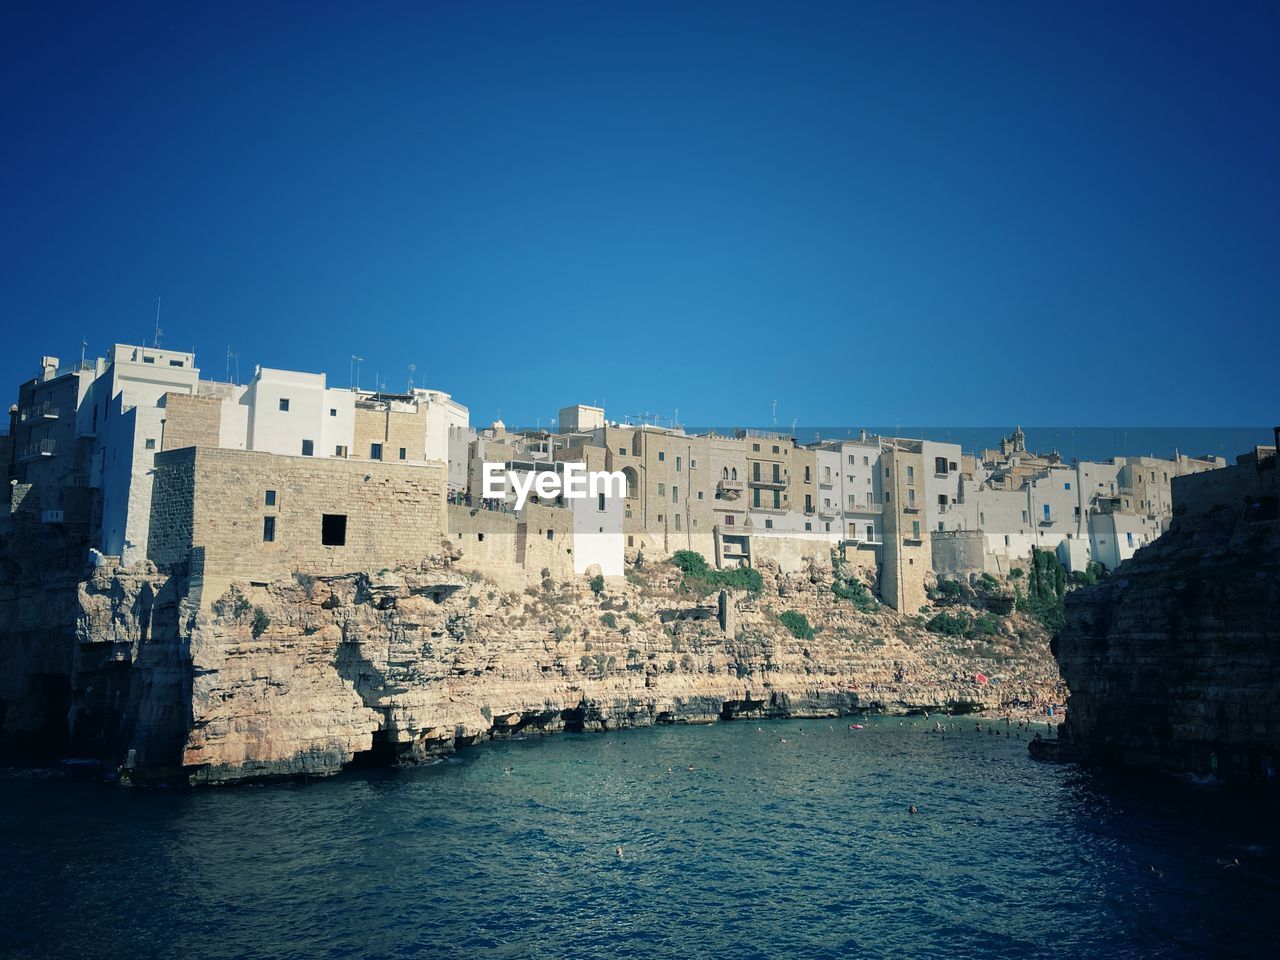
<point>382,752</point>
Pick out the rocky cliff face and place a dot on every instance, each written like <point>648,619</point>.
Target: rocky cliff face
<point>306,675</point>
<point>1174,664</point>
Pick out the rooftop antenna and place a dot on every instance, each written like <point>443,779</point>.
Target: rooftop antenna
<point>412,367</point>
<point>156,342</point>
<point>230,357</point>
<point>793,425</point>
<point>775,412</point>
<point>84,345</point>
<point>355,372</point>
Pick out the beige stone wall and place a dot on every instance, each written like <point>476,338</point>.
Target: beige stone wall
<point>396,430</point>
<point>908,550</point>
<point>191,421</point>
<point>487,541</point>
<point>214,502</point>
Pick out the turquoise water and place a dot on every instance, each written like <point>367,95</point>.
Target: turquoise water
<point>766,848</point>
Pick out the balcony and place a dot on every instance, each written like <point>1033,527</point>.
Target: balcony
<point>865,508</point>
<point>730,489</point>
<point>911,508</point>
<point>41,411</point>
<point>770,483</point>
<point>41,448</point>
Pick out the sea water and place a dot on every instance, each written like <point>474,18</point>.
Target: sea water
<point>742,840</point>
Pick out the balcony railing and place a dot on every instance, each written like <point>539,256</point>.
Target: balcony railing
<point>41,448</point>
<point>41,411</point>
<point>772,483</point>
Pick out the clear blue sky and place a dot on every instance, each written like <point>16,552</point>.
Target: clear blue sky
<point>948,213</point>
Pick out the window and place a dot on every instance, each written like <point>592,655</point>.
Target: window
<point>1068,486</point>
<point>268,529</point>
<point>693,464</point>
<point>340,451</point>
<point>308,448</point>
<point>661,456</point>
<point>911,474</point>
<point>755,448</point>
<point>675,494</point>
<point>808,527</point>
<point>775,449</point>
<point>662,489</point>
<point>677,519</point>
<point>677,464</point>
<point>600,502</point>
<point>911,496</point>
<point>940,526</point>
<point>806,475</point>
<point>728,519</point>
<point>777,473</point>
<point>915,529</point>
<point>808,503</point>
<point>755,470</point>
<point>755,497</point>
<point>402,453</point>
<point>953,466</point>
<point>1130,536</point>
<point>148,359</point>
<point>333,529</point>
<point>939,464</point>
<point>284,404</point>
<point>150,443</point>
<point>175,363</point>
<point>375,451</point>
<point>1024,516</point>
<point>1046,512</point>
<point>871,532</point>
<point>768,524</point>
<point>777,499</point>
<point>866,462</point>
<point>551,534</point>
<point>942,500</point>
<point>828,526</point>
<point>333,411</point>
<point>699,494</point>
<point>270,498</point>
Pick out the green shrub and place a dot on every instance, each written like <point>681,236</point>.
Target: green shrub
<point>988,582</point>
<point>951,625</point>
<point>797,624</point>
<point>856,593</point>
<point>1016,573</point>
<point>1046,585</point>
<point>690,562</point>
<point>700,576</point>
<point>950,589</point>
<point>610,621</point>
<point>260,622</point>
<point>597,584</point>
<point>986,625</point>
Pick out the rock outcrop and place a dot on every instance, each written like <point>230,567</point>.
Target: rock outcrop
<point>306,675</point>
<point>1174,663</point>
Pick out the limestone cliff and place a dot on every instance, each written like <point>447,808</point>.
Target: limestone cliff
<point>1174,663</point>
<point>305,675</point>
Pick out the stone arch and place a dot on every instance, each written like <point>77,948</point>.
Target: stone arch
<point>633,482</point>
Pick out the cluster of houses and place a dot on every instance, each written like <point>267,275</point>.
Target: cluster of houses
<point>148,461</point>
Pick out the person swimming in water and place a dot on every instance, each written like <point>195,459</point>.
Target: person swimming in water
<point>912,810</point>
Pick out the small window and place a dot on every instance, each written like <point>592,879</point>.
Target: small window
<point>333,411</point>
<point>148,359</point>
<point>662,489</point>
<point>808,527</point>
<point>270,498</point>
<point>693,464</point>
<point>551,534</point>
<point>175,363</point>
<point>375,451</point>
<point>675,494</point>
<point>728,519</point>
<point>480,537</point>
<point>755,448</point>
<point>699,494</point>
<point>600,502</point>
<point>333,529</point>
<point>340,451</point>
<point>775,449</point>
<point>268,529</point>
<point>622,451</point>
<point>1068,486</point>
<point>402,453</point>
<point>768,524</point>
<point>284,404</point>
<point>150,443</point>
<point>915,529</point>
<point>308,448</point>
<point>677,521</point>
<point>661,456</point>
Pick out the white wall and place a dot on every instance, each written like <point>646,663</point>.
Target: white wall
<point>945,484</point>
<point>272,430</point>
<point>597,535</point>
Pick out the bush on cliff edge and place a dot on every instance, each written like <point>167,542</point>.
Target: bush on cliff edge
<point>699,575</point>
